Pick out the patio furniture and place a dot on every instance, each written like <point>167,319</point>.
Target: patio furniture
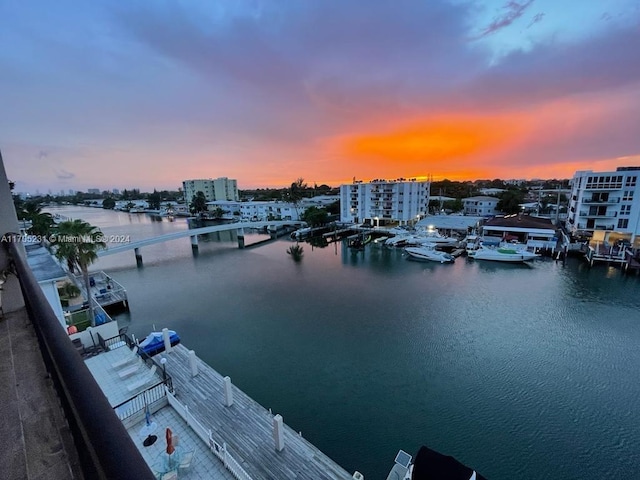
<point>186,459</point>
<point>126,360</point>
<point>142,381</point>
<point>131,370</point>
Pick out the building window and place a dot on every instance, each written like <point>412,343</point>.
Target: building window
<point>631,182</point>
<point>627,196</point>
<point>623,223</point>
<point>625,210</point>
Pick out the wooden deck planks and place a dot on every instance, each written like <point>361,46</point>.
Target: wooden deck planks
<point>246,426</point>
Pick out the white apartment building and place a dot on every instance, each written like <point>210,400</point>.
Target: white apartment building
<point>384,201</point>
<point>222,188</point>
<point>258,211</point>
<point>481,206</point>
<point>605,205</point>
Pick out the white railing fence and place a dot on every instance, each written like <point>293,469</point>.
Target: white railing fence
<point>219,450</point>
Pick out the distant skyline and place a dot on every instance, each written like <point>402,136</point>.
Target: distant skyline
<point>146,94</point>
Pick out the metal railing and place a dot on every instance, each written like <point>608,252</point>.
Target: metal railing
<point>94,426</point>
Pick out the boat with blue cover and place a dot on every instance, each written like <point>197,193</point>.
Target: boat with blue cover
<point>154,343</point>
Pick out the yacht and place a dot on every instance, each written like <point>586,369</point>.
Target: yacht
<point>503,253</point>
<point>429,252</point>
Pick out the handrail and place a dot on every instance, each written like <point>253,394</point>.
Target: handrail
<point>95,427</point>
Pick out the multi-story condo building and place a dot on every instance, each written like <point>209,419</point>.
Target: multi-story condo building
<point>605,205</point>
<point>481,206</point>
<point>381,202</point>
<point>222,188</point>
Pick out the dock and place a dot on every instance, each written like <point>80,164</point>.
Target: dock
<point>107,292</point>
<point>249,431</point>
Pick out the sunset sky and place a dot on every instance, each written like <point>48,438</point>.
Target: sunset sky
<point>145,94</point>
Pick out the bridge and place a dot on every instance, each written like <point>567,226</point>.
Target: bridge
<point>193,233</point>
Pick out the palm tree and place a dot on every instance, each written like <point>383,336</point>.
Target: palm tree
<point>41,222</point>
<point>77,242</point>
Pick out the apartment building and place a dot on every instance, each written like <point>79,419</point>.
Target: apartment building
<point>222,188</point>
<point>605,205</point>
<point>381,202</point>
<point>481,206</point>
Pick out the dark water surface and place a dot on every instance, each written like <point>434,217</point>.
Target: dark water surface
<point>521,372</point>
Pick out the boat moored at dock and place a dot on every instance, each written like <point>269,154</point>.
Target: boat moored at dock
<point>429,253</point>
<point>503,253</point>
<point>154,342</point>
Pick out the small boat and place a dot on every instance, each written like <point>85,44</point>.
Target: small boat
<point>154,343</point>
<point>503,253</point>
<point>429,252</point>
<point>431,465</point>
<point>380,240</point>
<point>359,242</point>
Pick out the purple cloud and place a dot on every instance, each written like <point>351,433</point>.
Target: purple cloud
<point>513,11</point>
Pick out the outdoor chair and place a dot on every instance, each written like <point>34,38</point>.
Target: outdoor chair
<point>131,370</point>
<point>186,459</point>
<point>172,475</point>
<point>142,381</point>
<point>126,360</point>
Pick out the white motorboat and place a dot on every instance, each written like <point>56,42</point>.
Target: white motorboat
<point>429,252</point>
<point>432,235</point>
<point>503,253</point>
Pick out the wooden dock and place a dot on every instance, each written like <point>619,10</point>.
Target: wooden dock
<point>246,427</point>
<point>104,290</point>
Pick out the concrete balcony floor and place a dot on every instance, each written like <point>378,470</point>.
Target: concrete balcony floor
<point>35,442</point>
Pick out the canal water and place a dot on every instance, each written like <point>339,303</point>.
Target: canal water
<point>524,372</point>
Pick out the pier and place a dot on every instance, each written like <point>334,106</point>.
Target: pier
<point>104,290</point>
<point>261,442</point>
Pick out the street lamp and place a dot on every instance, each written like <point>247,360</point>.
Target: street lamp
<point>163,361</point>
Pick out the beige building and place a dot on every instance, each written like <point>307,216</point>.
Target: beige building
<point>222,188</point>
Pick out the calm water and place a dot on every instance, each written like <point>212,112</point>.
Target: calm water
<point>520,372</point>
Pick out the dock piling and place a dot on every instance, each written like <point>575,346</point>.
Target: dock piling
<point>167,340</point>
<point>228,392</point>
<point>240,233</point>
<point>136,251</point>
<point>278,432</point>
<point>193,364</point>
<point>194,242</point>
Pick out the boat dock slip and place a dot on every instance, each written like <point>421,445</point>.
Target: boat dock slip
<point>264,447</point>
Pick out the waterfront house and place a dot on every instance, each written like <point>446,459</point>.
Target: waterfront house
<point>535,232</point>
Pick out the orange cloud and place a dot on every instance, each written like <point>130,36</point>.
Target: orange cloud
<point>437,139</point>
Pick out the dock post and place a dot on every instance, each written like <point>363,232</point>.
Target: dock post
<point>241,238</point>
<point>138,256</point>
<point>194,242</point>
<point>228,392</point>
<point>278,432</point>
<point>192,363</point>
<point>167,340</point>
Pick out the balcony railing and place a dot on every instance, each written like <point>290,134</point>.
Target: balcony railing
<point>610,201</point>
<point>106,451</point>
